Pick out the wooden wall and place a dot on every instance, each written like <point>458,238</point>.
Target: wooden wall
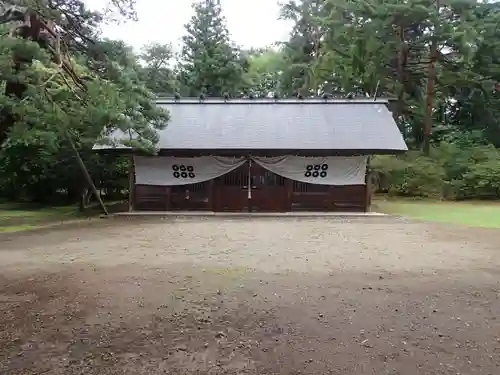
<point>269,193</point>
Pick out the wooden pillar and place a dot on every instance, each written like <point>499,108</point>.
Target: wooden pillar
<point>332,198</point>
<point>211,196</point>
<point>289,195</point>
<point>168,197</point>
<point>131,184</point>
<point>368,187</point>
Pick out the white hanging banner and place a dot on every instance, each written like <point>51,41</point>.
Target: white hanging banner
<point>168,171</point>
<point>330,170</point>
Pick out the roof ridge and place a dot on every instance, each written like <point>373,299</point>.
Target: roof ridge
<point>213,100</point>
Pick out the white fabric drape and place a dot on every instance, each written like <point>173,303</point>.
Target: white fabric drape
<point>332,170</point>
<point>168,171</point>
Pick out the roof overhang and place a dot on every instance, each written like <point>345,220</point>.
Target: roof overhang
<point>255,125</point>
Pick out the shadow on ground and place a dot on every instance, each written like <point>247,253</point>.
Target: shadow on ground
<point>191,320</point>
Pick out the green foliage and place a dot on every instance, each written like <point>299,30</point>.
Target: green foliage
<point>211,64</point>
<point>413,174</point>
<point>264,72</point>
<point>360,46</point>
<point>301,51</point>
<point>336,46</point>
<point>157,74</point>
<point>450,172</point>
<point>36,161</point>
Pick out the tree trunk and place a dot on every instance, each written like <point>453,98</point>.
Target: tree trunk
<point>86,173</point>
<point>402,62</point>
<point>81,204</point>
<point>13,89</point>
<point>131,184</point>
<point>431,80</point>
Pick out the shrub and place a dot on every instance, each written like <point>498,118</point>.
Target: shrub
<point>451,171</point>
<point>410,175</point>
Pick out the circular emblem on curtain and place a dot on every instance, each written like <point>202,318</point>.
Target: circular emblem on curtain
<point>316,170</point>
<point>183,171</point>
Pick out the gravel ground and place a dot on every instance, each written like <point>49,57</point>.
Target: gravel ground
<point>374,296</point>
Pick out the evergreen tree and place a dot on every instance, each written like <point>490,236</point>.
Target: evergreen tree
<point>63,89</point>
<point>302,50</point>
<point>210,63</point>
<point>264,72</point>
<point>157,74</point>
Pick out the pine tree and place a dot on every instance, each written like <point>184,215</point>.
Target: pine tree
<point>63,86</point>
<point>157,73</point>
<point>211,64</point>
<point>302,50</point>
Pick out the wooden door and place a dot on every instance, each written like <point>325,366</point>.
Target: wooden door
<point>192,197</point>
<point>231,191</point>
<point>151,198</point>
<point>269,190</point>
<point>311,197</point>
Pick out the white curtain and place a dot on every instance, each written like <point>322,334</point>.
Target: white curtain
<point>168,171</point>
<point>331,170</point>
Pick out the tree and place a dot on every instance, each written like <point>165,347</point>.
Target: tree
<point>265,68</point>
<point>389,47</point>
<point>63,92</point>
<point>210,63</point>
<point>471,80</point>
<point>303,48</point>
<point>157,74</point>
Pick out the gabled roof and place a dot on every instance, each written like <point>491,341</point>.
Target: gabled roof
<point>283,124</point>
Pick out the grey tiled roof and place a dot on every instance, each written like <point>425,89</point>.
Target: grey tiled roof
<point>261,124</point>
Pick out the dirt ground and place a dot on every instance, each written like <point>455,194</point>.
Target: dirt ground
<point>365,296</point>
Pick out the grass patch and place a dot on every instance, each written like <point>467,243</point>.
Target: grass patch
<point>16,228</point>
<point>36,213</point>
<point>18,217</point>
<point>474,214</point>
<point>17,220</point>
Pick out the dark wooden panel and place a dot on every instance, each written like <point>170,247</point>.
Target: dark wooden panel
<point>231,199</point>
<point>231,191</point>
<point>309,197</point>
<point>151,198</point>
<point>192,197</point>
<point>270,199</point>
<point>311,202</point>
<point>304,187</point>
<point>350,198</point>
<point>269,191</point>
